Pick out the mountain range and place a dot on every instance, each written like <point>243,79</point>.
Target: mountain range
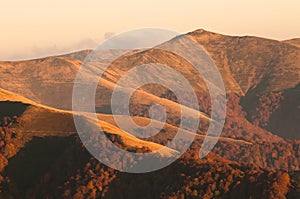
<point>257,155</point>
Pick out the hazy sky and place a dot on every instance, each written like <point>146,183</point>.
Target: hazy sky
<point>35,28</point>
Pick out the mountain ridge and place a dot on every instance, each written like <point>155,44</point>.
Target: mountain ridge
<point>257,154</point>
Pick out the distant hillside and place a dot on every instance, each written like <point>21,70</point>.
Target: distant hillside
<point>246,64</point>
<point>253,68</point>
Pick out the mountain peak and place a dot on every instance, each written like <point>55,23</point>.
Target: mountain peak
<point>205,34</point>
<point>202,31</point>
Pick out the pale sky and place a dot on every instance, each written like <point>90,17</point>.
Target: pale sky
<point>36,28</point>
